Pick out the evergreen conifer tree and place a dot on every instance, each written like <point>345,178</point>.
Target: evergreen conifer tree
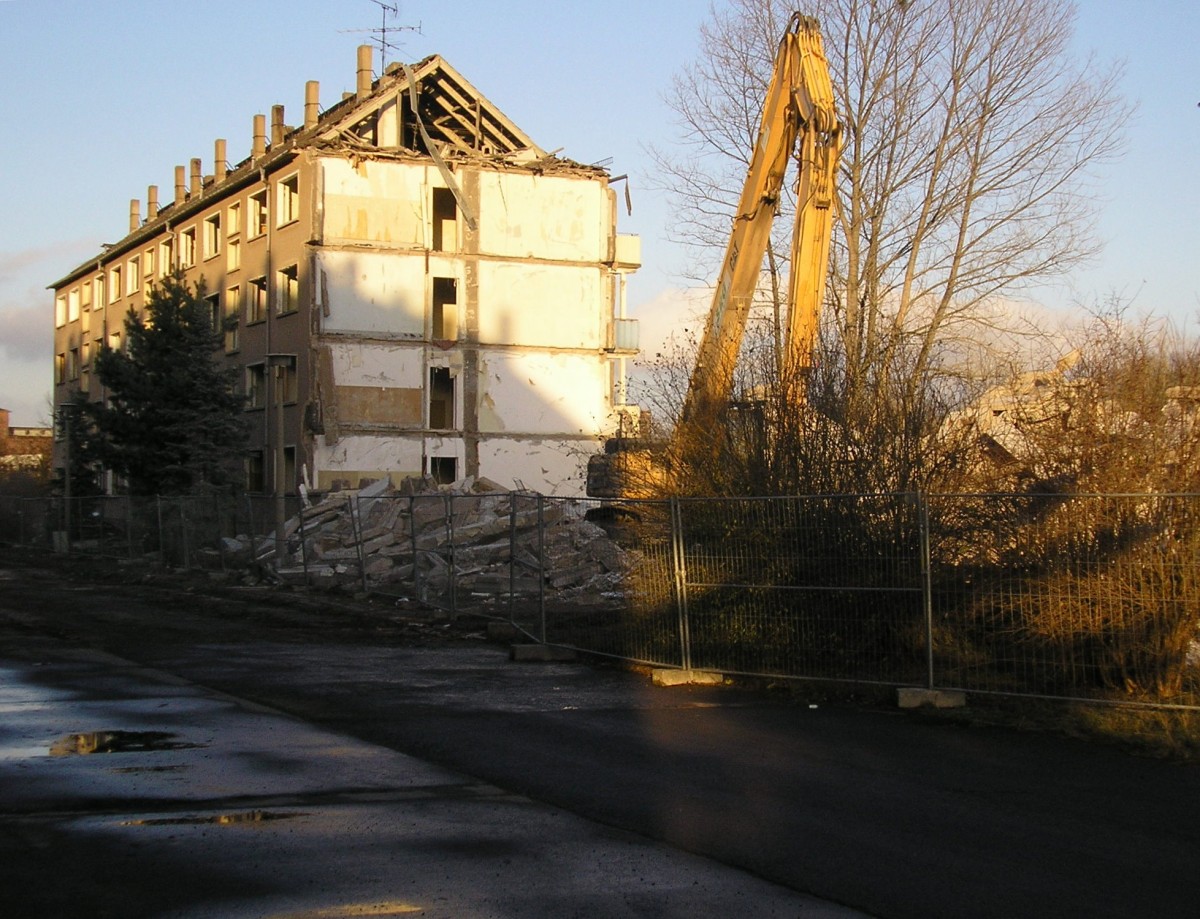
<point>173,420</point>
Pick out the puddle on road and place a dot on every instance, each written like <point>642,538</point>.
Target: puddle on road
<point>254,816</point>
<point>116,742</point>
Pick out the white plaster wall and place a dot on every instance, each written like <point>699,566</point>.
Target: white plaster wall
<point>374,292</point>
<point>365,453</point>
<point>551,467</point>
<point>543,393</point>
<point>373,201</point>
<point>559,306</point>
<point>546,217</point>
<point>370,364</point>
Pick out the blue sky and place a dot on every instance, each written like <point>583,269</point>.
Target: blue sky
<point>105,97</point>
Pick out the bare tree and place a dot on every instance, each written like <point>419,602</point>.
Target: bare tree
<point>971,138</point>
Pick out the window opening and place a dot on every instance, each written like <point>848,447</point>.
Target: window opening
<point>256,306</point>
<point>256,385</point>
<point>288,200</point>
<point>255,478</point>
<point>441,399</point>
<point>258,214</point>
<point>233,309</point>
<point>443,469</point>
<point>187,248</point>
<point>444,319</point>
<point>212,236</point>
<point>445,221</point>
<point>287,290</point>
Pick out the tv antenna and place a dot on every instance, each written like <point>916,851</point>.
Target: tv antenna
<point>381,32</point>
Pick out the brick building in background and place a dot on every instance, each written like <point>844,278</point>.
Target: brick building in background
<point>426,289</point>
<point>23,448</point>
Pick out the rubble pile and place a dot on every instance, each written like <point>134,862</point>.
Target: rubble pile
<point>474,538</point>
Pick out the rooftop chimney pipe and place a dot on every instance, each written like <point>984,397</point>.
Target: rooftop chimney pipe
<point>260,136</point>
<point>365,74</point>
<point>197,178</point>
<point>135,214</point>
<point>151,202</point>
<point>180,184</point>
<point>312,103</point>
<point>278,128</point>
<point>220,166</point>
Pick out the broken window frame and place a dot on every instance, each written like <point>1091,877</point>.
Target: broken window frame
<point>287,200</point>
<point>287,290</point>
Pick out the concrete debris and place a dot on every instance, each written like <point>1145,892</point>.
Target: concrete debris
<point>473,538</point>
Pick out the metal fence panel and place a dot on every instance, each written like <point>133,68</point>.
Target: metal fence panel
<point>1080,596</point>
<point>1093,597</point>
<point>819,586</point>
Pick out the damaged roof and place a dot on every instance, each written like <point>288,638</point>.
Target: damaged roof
<point>422,110</point>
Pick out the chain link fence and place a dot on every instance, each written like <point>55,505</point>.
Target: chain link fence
<point>1093,597</point>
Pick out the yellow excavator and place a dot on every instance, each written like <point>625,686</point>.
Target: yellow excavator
<point>798,119</point>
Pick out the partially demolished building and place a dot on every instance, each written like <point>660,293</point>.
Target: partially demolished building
<point>425,289</point>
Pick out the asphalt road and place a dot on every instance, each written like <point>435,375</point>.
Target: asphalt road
<point>893,815</point>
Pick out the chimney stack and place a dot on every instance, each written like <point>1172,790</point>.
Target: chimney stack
<point>197,178</point>
<point>312,103</point>
<point>365,74</point>
<point>278,128</point>
<point>260,136</point>
<point>180,184</point>
<point>135,214</point>
<point>151,202</point>
<point>220,166</point>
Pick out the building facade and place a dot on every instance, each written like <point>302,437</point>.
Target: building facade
<point>425,289</point>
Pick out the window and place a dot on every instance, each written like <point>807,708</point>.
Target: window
<point>148,263</point>
<point>73,364</point>
<point>60,368</point>
<point>445,221</point>
<point>286,380</point>
<point>73,305</point>
<point>287,290</point>
<point>233,316</point>
<point>255,472</point>
<point>212,236</point>
<point>256,385</point>
<point>444,318</point>
<point>98,284</point>
<point>133,276</point>
<point>85,353</point>
<point>166,257</point>
<point>187,248</point>
<point>114,341</point>
<point>289,470</point>
<point>256,305</point>
<point>85,296</point>
<point>215,317</point>
<point>443,469</point>
<point>60,311</point>
<point>114,284</point>
<point>233,219</point>
<point>441,399</point>
<point>258,214</point>
<point>234,250</point>
<point>287,200</point>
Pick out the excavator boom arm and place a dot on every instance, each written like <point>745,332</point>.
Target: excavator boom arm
<point>798,107</point>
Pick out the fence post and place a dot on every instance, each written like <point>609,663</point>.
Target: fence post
<point>541,525</point>
<point>183,535</point>
<point>452,584</point>
<point>926,583</point>
<point>356,529</point>
<point>412,533</point>
<point>512,555</point>
<point>679,570</point>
